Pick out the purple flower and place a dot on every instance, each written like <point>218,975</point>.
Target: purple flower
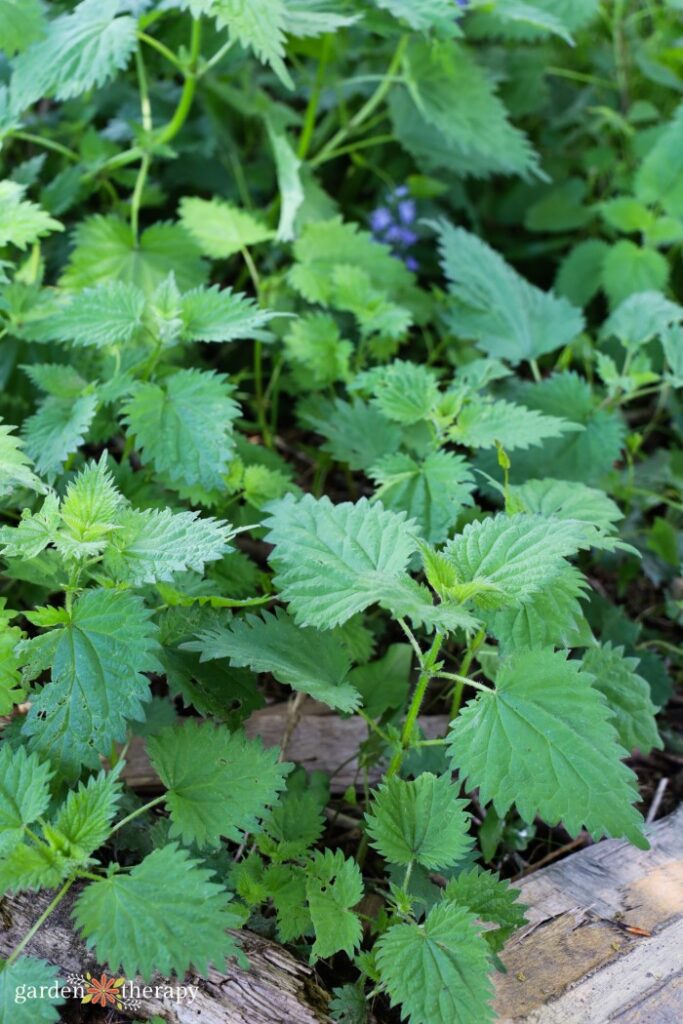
<point>401,191</point>
<point>407,210</point>
<point>390,223</point>
<point>380,219</point>
<point>412,264</point>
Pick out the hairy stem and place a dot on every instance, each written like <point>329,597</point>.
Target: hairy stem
<point>40,922</point>
<point>427,673</point>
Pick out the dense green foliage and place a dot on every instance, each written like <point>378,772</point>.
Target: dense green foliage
<point>340,351</point>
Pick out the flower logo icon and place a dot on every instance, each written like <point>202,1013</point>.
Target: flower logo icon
<point>104,991</point>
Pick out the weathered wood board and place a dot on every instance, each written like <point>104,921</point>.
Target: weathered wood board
<point>575,963</point>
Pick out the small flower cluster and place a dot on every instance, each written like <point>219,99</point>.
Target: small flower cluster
<point>392,223</point>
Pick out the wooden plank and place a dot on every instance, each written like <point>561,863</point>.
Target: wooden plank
<point>576,963</point>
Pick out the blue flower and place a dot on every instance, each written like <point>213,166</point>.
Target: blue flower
<point>380,219</point>
<point>391,224</point>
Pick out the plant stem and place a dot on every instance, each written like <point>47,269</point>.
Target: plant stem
<point>162,49</point>
<point>368,107</point>
<point>375,140</point>
<point>428,663</point>
<point>314,100</point>
<point>136,814</point>
<point>189,88</point>
<point>41,920</point>
<point>218,55</point>
<point>463,681</point>
<point>57,147</point>
<point>411,637</point>
<point>463,670</point>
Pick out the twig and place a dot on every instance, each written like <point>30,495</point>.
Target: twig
<point>567,848</point>
<point>657,800</point>
<point>293,715</point>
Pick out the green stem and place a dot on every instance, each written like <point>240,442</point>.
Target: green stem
<point>218,55</point>
<point>463,671</point>
<point>314,100</point>
<point>162,49</point>
<point>411,637</point>
<point>41,920</point>
<point>376,140</point>
<point>136,814</point>
<point>368,108</point>
<point>170,131</point>
<point>416,703</point>
<point>373,725</point>
<point>56,147</point>
<point>463,681</point>
<point>535,370</point>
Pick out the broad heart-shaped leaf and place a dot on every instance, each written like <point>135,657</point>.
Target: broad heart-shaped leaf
<point>80,51</point>
<point>24,792</point>
<point>85,817</point>
<point>421,822</point>
<point>564,500</point>
<point>56,430</point>
<point>335,560</point>
<point>21,23</point>
<point>15,466</point>
<point>219,314</point>
<point>543,741</point>
<point>505,559</point>
<point>22,221</point>
<point>630,268</point>
<point>489,899</point>
<point>100,653</point>
<point>402,391</point>
<point>219,228</point>
<point>128,925</point>
<point>551,617</point>
<point>433,491</point>
<point>219,783</point>
<point>437,971</point>
<point>334,885</point>
<point>640,318</point>
<point>106,250</point>
<point>19,976</point>
<point>320,355</point>
<point>627,694</point>
<point>505,315</point>
<point>185,426</point>
<point>355,433</point>
<point>308,661</point>
<point>659,177</point>
<point>483,423</point>
<point>153,545</point>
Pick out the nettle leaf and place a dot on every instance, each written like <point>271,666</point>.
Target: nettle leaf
<point>22,221</point>
<point>433,491</point>
<point>24,793</point>
<point>436,15</point>
<point>219,314</point>
<point>28,972</point>
<point>219,228</point>
<point>419,822</point>
<point>384,683</point>
<point>489,899</point>
<point>315,344</point>
<point>105,249</point>
<point>640,318</point>
<point>505,315</point>
<point>450,116</point>
<point>258,25</point>
<point>81,51</point>
<point>30,866</point>
<point>543,741</point>
<point>21,23</point>
<point>56,379</point>
<point>91,505</point>
<point>156,544</point>
<point>223,792</point>
<point>11,690</point>
<point>185,426</point>
<point>518,19</point>
<point>84,819</point>
<point>632,712</point>
<point>124,921</point>
<point>292,827</point>
<point>57,430</point>
<point>335,560</point>
<point>352,292</point>
<point>658,179</point>
<point>288,167</point>
<point>437,971</point>
<point>109,314</point>
<point>15,466</point>
<point>560,499</point>
<point>551,617</point>
<point>312,18</point>
<point>308,661</point>
<point>580,272</point>
<point>333,886</point>
<point>402,391</point>
<point>355,432</point>
<point>483,424</point>
<point>505,559</point>
<point>99,655</point>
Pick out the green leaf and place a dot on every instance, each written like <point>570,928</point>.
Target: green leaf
<point>433,491</point>
<point>56,379</point>
<point>22,222</point>
<point>219,228</point>
<point>449,98</point>
<point>640,318</point>
<point>628,696</point>
<point>419,822</point>
<point>85,818</point>
<point>504,559</point>
<point>125,922</point>
<point>185,427</point>
<point>334,885</point>
<point>292,827</point>
<point>21,23</point>
<point>308,661</point>
<point>543,741</point>
<point>57,430</point>
<point>258,25</point>
<point>105,250</point>
<point>292,196</point>
<point>489,899</point>
<point>559,209</point>
<point>219,783</point>
<point>109,314</point>
<point>355,432</point>
<point>219,314</point>
<point>402,391</point>
<point>626,214</point>
<point>314,343</point>
<point>91,505</point>
<point>24,793</point>
<point>437,971</point>
<point>660,176</point>
<point>436,15</point>
<point>154,545</point>
<point>384,683</point>
<point>312,18</point>
<point>552,617</point>
<point>81,51</point>
<point>483,424</point>
<point>11,690</point>
<point>33,866</point>
<point>505,315</point>
<point>100,654</point>
<point>335,560</point>
<point>629,268</point>
<point>580,273</point>
<point>15,466</point>
<point>24,974</point>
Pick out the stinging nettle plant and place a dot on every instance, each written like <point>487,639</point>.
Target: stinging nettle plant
<point>256,442</point>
